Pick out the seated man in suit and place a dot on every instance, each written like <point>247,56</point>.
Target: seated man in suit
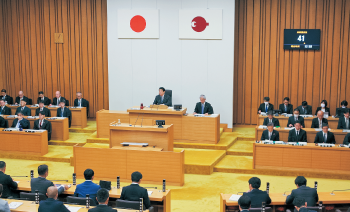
<point>43,98</point>
<point>51,203</point>
<point>87,187</point>
<point>134,192</point>
<point>296,117</point>
<point>309,194</point>
<point>42,184</point>
<point>4,110</point>
<point>63,111</point>
<point>270,133</point>
<point>305,109</point>
<point>23,109</point>
<point>42,124</point>
<point>8,99</point>
<point>203,107</point>
<point>43,109</point>
<point>266,106</point>
<point>162,99</point>
<point>319,121</point>
<point>102,199</point>
<point>81,102</point>
<point>297,134</point>
<point>323,107</point>
<point>347,139</point>
<point>2,122</point>
<point>286,107</point>
<point>244,203</point>
<point>300,205</point>
<point>9,186</point>
<point>271,119</point>
<point>257,196</point>
<point>324,136</point>
<point>58,99</point>
<point>21,97</point>
<point>344,121</point>
<point>343,107</point>
<point>4,206</point>
<point>20,122</point>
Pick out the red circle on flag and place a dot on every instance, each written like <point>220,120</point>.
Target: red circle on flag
<point>138,23</point>
<point>199,24</point>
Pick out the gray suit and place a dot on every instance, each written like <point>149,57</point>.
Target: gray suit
<point>41,184</point>
<point>4,206</point>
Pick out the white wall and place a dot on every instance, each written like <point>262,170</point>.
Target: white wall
<point>138,67</point>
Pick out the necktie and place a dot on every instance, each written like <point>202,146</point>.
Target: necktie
<point>346,123</point>
<point>320,124</point>
<point>79,103</point>
<point>18,124</point>
<point>58,101</point>
<point>296,119</point>
<point>324,138</point>
<point>303,110</point>
<point>1,110</point>
<point>285,108</point>
<point>297,135</point>
<point>202,108</point>
<point>62,112</point>
<point>269,135</point>
<point>266,108</point>
<point>41,109</point>
<point>40,124</point>
<point>22,109</point>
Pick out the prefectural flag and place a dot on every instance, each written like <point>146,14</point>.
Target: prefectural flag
<point>138,24</point>
<point>200,24</point>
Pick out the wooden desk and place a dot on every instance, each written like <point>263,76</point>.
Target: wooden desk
<point>13,108</point>
<point>105,117</point>
<point>154,136</point>
<point>79,119</point>
<point>310,133</point>
<point>332,122</point>
<point>147,148</point>
<point>20,142</point>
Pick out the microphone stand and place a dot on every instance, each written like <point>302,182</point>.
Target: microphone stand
<point>284,194</point>
<point>19,176</point>
<point>137,119</point>
<point>142,120</point>
<point>339,190</point>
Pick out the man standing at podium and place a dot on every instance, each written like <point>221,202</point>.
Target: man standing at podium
<point>23,109</point>
<point>162,99</point>
<point>42,124</point>
<point>203,107</point>
<point>3,109</point>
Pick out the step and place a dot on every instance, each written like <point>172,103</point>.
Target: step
<point>93,139</point>
<point>74,138</point>
<point>241,147</point>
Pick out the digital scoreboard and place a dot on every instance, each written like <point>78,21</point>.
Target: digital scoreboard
<point>307,39</point>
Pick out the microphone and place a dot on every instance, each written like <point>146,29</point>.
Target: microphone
<point>339,190</point>
<point>316,185</point>
<point>142,120</point>
<point>284,194</point>
<point>151,187</point>
<point>19,176</point>
<point>267,187</point>
<point>59,180</point>
<point>137,119</point>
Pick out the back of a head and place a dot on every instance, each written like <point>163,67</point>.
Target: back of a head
<point>88,174</point>
<point>52,192</point>
<point>42,169</point>
<point>299,202</point>
<point>102,195</point>
<point>136,177</point>
<point>2,164</point>
<point>244,202</point>
<point>300,181</point>
<point>255,182</point>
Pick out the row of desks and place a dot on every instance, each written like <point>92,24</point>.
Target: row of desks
<point>79,118</point>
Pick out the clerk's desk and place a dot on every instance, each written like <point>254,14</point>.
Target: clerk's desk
<point>60,129</point>
<point>339,135</point>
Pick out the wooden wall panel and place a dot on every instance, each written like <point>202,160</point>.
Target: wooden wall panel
<point>32,62</point>
<point>263,68</point>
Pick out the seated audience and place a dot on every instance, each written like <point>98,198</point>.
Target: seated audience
<point>300,205</point>
<point>309,194</point>
<point>244,203</point>
<point>295,118</point>
<point>20,122</point>
<point>42,184</point>
<point>4,206</point>
<point>343,107</point>
<point>81,102</point>
<point>305,109</point>
<point>23,109</point>
<point>102,199</point>
<point>51,203</point>
<point>58,99</point>
<point>347,139</point>
<point>286,107</point>
<point>8,185</point>
<point>325,136</point>
<point>271,119</point>
<point>2,122</point>
<point>162,99</point>
<point>43,124</point>
<point>63,111</point>
<point>344,121</point>
<point>87,187</point>
<point>297,134</point>
<point>43,109</point>
<point>203,107</point>
<point>43,98</point>
<point>134,192</point>
<point>257,196</point>
<point>4,110</point>
<point>319,121</point>
<point>8,99</point>
<point>266,106</point>
<point>21,97</point>
<point>270,133</point>
<point>323,108</point>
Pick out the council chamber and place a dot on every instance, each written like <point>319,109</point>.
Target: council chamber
<point>174,105</point>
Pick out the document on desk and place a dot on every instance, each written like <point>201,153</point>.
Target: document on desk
<point>149,193</point>
<point>14,205</point>
<point>72,208</point>
<point>235,197</point>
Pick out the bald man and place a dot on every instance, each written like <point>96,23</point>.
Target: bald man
<point>21,97</point>
<point>319,121</point>
<point>58,98</point>
<point>51,204</point>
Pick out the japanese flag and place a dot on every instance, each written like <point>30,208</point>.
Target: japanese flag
<point>138,23</point>
<point>200,24</point>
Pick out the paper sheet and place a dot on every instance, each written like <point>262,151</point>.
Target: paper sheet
<point>14,205</point>
<point>150,193</point>
<point>72,208</point>
<point>235,197</point>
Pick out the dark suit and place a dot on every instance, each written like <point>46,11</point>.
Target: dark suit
<point>8,184</point>
<point>292,137</point>
<point>2,122</point>
<point>291,120</point>
<point>47,101</point>
<point>26,111</point>
<point>207,108</point>
<point>166,100</point>
<point>54,101</point>
<point>18,100</point>
<point>66,113</point>
<point>24,123</point>
<point>341,123</point>
<point>306,111</point>
<point>134,192</point>
<point>262,108</point>
<point>51,205</point>
<point>274,121</point>
<point>5,111</point>
<point>257,197</point>
<point>340,111</point>
<point>274,137</point>
<point>41,184</point>
<point>330,138</point>
<point>84,103</point>
<point>7,99</point>
<point>289,109</point>
<point>45,110</point>
<point>315,123</point>
<point>309,194</point>
<point>46,125</point>
<point>102,208</point>
<point>326,110</point>
<point>347,139</point>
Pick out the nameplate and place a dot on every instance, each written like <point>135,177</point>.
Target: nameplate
<point>307,116</point>
<point>134,144</point>
<point>11,129</point>
<point>289,128</point>
<point>325,145</point>
<point>348,131</point>
<point>12,116</point>
<point>297,143</point>
<point>33,131</point>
